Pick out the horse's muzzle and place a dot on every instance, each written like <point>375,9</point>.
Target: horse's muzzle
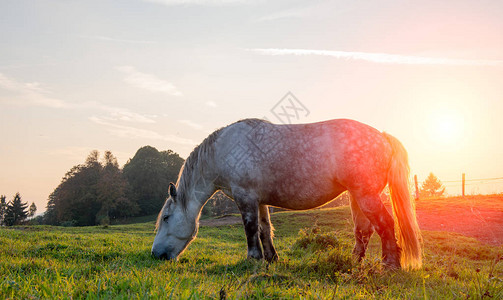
<point>162,255</point>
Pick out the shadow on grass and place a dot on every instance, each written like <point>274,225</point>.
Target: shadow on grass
<point>240,268</point>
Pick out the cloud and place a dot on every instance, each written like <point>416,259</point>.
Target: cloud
<point>382,57</point>
<point>34,94</point>
<point>138,133</point>
<point>203,2</point>
<point>116,40</point>
<point>48,102</point>
<point>30,93</point>
<point>148,82</point>
<point>210,104</point>
<point>286,14</point>
<point>10,84</point>
<point>315,10</point>
<point>20,87</point>
<point>119,113</point>
<point>127,116</point>
<point>191,124</point>
<point>22,66</point>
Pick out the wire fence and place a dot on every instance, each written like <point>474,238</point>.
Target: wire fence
<point>492,185</point>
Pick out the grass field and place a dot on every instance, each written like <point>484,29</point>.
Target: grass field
<point>315,263</point>
<point>486,202</point>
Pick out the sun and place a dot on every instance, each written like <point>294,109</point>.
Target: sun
<point>446,127</point>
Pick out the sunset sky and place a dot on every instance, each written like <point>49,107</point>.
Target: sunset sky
<point>118,75</point>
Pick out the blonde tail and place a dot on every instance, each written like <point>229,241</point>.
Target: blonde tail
<point>407,230</point>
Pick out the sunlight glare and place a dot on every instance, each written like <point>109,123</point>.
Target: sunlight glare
<point>446,128</point>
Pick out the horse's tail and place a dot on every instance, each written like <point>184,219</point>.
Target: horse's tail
<point>408,233</point>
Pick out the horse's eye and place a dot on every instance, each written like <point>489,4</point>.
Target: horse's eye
<point>165,219</point>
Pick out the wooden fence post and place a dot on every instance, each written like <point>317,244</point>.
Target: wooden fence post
<point>417,189</point>
<point>463,184</point>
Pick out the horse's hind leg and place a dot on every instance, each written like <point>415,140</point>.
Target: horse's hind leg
<point>248,205</point>
<point>382,221</point>
<point>363,230</point>
<point>266,234</point>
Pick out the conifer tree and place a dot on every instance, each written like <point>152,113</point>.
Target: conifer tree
<point>3,209</point>
<point>431,187</point>
<point>16,211</point>
<point>32,210</point>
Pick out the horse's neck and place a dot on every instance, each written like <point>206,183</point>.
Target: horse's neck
<point>203,190</point>
<point>197,193</point>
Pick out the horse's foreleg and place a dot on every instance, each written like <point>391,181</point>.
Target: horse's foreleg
<point>363,230</point>
<point>266,234</point>
<point>249,212</point>
<point>383,223</point>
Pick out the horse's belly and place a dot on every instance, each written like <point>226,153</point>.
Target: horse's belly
<point>301,200</point>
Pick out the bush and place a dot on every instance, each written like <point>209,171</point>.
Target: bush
<point>323,253</point>
<point>336,260</point>
<point>313,239</point>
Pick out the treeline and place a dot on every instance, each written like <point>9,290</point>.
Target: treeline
<point>219,205</point>
<point>98,191</point>
<point>15,212</point>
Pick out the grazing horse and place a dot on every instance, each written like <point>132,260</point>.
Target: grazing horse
<point>295,166</point>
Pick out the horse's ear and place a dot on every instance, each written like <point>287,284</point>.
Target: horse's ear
<point>172,190</point>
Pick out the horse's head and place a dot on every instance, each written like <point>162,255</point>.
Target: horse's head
<point>176,228</point>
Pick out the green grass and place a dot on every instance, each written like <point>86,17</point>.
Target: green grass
<point>315,263</point>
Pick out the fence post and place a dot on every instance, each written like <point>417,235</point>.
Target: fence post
<point>463,184</point>
<point>417,189</point>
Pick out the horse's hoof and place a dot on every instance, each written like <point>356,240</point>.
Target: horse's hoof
<point>255,255</point>
<point>271,258</point>
<point>358,255</point>
<point>392,266</point>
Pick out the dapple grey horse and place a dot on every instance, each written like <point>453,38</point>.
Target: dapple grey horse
<point>302,166</point>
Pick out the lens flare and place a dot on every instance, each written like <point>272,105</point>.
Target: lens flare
<point>446,128</point>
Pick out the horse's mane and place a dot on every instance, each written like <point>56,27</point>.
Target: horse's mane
<point>198,158</point>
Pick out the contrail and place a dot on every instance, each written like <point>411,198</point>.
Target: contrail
<point>383,58</point>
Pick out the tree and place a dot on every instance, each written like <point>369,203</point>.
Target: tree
<point>32,210</point>
<point>3,209</point>
<point>149,173</point>
<point>75,199</point>
<point>98,190</point>
<point>16,211</point>
<point>111,191</point>
<point>50,212</point>
<point>218,205</point>
<point>91,193</point>
<point>431,187</point>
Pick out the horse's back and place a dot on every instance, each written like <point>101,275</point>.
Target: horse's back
<point>301,166</point>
